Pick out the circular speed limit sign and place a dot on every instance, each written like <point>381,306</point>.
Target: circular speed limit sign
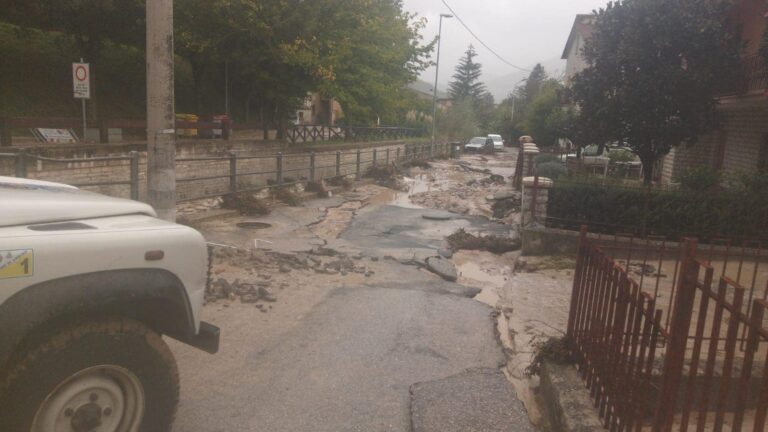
<point>81,73</point>
<point>81,84</point>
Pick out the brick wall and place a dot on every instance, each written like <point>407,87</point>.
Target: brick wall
<point>256,165</point>
<point>743,131</point>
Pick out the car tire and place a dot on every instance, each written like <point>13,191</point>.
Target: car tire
<point>113,371</point>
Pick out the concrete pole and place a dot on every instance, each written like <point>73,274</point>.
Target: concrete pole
<point>161,115</point>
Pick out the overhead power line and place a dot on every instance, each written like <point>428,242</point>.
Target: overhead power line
<point>480,40</point>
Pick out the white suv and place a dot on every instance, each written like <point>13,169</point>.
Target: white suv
<point>498,142</point>
<point>88,284</point>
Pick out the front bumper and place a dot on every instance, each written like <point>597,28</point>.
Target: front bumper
<point>207,339</point>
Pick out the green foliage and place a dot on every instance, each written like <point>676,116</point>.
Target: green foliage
<point>546,157</point>
<point>546,119</point>
<point>45,87</point>
<point>459,122</point>
<point>363,53</point>
<point>699,179</point>
<point>619,155</point>
<point>466,86</point>
<point>749,182</point>
<point>552,170</point>
<point>654,67</point>
<point>669,213</point>
<point>466,80</point>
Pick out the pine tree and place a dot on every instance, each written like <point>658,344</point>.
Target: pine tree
<point>466,81</point>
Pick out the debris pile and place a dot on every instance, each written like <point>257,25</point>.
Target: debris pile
<point>245,203</point>
<point>247,292</point>
<point>273,269</point>
<point>287,195</point>
<point>386,176</point>
<point>505,203</point>
<point>341,181</point>
<point>461,239</point>
<point>318,187</point>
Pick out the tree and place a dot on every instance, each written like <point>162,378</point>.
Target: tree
<point>654,68</point>
<point>533,84</point>
<point>466,80</point>
<point>92,23</point>
<point>458,123</point>
<point>546,119</point>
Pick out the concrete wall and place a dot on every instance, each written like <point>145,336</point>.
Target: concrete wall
<point>259,159</point>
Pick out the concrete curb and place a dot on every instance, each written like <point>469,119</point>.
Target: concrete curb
<point>566,400</point>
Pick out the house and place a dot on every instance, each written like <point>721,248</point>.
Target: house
<point>317,109</point>
<point>580,32</point>
<point>425,91</point>
<point>741,142</point>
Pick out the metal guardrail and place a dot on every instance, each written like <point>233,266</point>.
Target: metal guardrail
<point>233,172</point>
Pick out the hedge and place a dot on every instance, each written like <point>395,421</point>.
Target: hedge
<point>669,213</point>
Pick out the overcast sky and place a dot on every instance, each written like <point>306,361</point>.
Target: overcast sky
<point>523,32</point>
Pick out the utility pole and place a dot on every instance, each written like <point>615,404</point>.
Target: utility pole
<point>161,115</point>
<point>437,74</point>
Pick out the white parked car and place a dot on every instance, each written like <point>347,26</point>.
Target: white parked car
<point>88,285</point>
<point>498,142</point>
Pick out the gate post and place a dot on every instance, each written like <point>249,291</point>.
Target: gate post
<point>357,165</point>
<point>21,164</point>
<point>312,166</point>
<point>232,172</point>
<point>678,338</point>
<point>279,163</point>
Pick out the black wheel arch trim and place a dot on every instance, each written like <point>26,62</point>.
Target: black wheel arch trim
<point>155,297</point>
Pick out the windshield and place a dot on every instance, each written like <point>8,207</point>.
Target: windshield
<point>495,138</point>
<point>477,140</point>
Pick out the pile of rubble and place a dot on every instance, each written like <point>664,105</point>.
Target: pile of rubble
<point>255,270</point>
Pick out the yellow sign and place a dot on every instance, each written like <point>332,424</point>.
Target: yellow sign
<point>16,263</point>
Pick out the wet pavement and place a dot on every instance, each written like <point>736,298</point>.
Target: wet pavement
<point>357,319</point>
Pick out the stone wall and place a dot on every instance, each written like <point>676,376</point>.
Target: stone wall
<point>256,164</point>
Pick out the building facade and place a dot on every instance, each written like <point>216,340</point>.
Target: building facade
<point>740,144</point>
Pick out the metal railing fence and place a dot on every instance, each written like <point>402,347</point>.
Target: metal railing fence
<point>234,173</point>
<point>705,364</point>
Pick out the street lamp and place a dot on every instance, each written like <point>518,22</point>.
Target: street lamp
<point>437,71</point>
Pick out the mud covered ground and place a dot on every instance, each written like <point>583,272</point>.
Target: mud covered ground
<point>331,310</point>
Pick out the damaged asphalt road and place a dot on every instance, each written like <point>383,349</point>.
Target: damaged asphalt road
<point>343,353</point>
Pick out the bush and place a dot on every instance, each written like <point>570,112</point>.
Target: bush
<point>552,170</point>
<point>672,214</point>
<point>620,155</point>
<point>546,158</point>
<point>699,179</point>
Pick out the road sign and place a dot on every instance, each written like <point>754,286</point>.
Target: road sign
<point>54,136</point>
<point>81,80</point>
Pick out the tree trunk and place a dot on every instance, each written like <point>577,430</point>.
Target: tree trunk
<point>197,78</point>
<point>648,163</point>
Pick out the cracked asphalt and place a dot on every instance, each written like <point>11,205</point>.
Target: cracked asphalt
<point>342,353</point>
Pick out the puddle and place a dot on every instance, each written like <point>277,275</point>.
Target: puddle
<point>415,185</point>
